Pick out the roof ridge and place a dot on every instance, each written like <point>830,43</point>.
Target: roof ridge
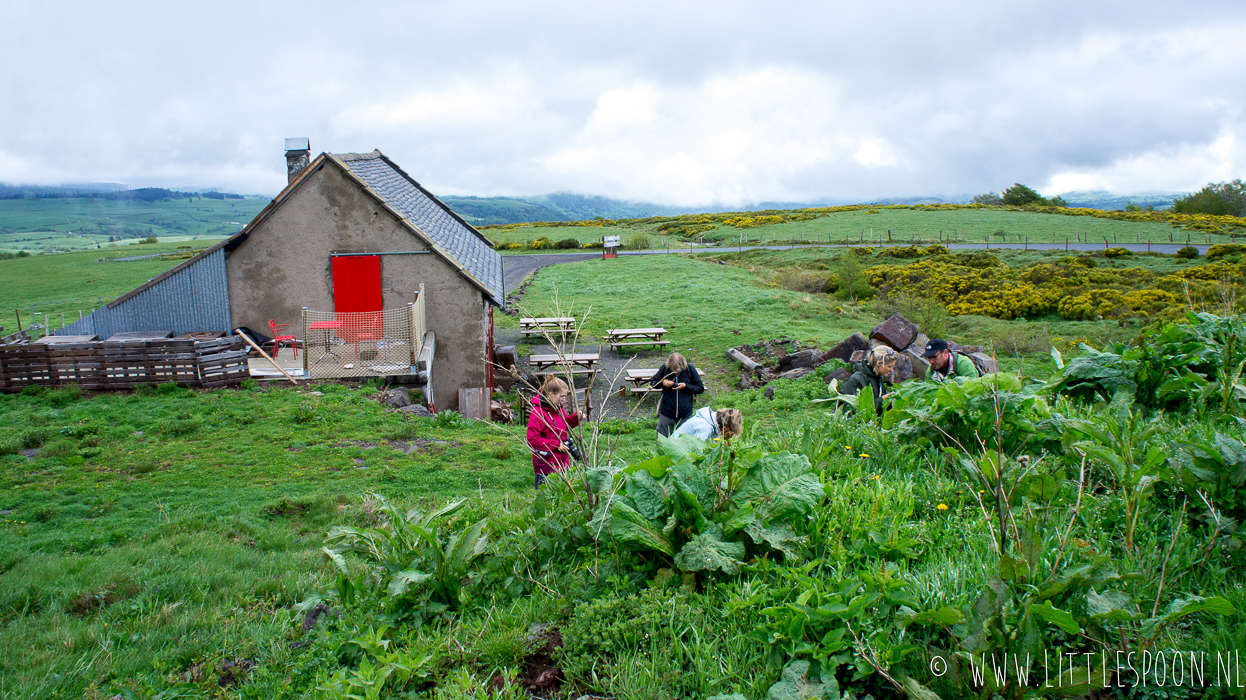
<point>376,153</point>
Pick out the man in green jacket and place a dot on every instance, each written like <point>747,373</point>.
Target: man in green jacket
<point>946,363</point>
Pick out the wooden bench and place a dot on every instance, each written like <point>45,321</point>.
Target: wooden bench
<point>639,379</point>
<point>560,325</point>
<point>630,337</point>
<point>569,363</point>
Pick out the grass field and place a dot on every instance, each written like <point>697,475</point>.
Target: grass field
<point>36,225</point>
<point>71,282</point>
<point>158,544</point>
<point>905,225</point>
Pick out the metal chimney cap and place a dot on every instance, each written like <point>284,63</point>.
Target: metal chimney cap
<point>301,144</point>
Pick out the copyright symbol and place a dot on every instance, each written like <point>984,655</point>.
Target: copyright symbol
<point>938,665</point>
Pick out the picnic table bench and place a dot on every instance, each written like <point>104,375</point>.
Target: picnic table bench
<point>540,326</point>
<point>639,379</point>
<point>624,337</point>
<point>569,363</point>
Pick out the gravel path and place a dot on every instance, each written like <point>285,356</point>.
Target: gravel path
<point>606,401</point>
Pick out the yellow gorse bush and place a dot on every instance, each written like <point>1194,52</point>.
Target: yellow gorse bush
<point>1068,287</point>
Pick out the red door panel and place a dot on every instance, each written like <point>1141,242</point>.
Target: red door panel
<point>356,283</point>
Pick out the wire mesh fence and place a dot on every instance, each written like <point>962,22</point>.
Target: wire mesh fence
<point>363,344</point>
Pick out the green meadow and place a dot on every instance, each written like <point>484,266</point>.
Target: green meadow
<point>271,542</point>
<point>55,224</point>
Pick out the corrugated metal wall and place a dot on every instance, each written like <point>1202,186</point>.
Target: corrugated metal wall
<point>195,298</point>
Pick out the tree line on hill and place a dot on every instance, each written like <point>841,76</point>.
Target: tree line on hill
<point>1217,198</point>
<point>141,194</point>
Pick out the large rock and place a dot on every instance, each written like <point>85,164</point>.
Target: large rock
<point>858,356</point>
<point>840,373</point>
<point>800,359</point>
<point>796,373</point>
<point>965,349</point>
<point>843,349</point>
<point>919,343</point>
<point>897,331</point>
<point>398,397</point>
<point>417,410</point>
<point>904,369</point>
<point>984,362</point>
<point>920,366</point>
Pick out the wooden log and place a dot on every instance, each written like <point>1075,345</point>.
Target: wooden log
<point>266,357</point>
<point>744,360</point>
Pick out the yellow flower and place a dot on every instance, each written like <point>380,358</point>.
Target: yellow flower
<point>876,477</point>
<point>865,455</point>
<point>848,448</point>
<point>942,506</point>
<point>982,492</point>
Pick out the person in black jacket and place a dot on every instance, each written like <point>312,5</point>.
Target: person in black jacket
<point>680,382</point>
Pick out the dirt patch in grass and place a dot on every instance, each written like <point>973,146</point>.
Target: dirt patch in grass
<point>538,674</point>
<point>90,601</point>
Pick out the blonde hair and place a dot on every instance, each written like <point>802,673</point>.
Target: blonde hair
<point>730,422</point>
<point>676,362</point>
<point>553,385</point>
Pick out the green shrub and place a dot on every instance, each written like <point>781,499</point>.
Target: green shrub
<point>1188,253</point>
<point>541,243</point>
<point>1221,250</point>
<point>568,243</point>
<point>1117,253</point>
<point>639,241</point>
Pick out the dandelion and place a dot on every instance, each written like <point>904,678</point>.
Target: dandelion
<point>981,492</point>
<point>876,477</point>
<point>865,455</point>
<point>942,506</point>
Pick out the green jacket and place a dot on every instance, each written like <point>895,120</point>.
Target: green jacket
<point>959,366</point>
<point>862,378</point>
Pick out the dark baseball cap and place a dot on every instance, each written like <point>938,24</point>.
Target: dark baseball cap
<point>933,347</point>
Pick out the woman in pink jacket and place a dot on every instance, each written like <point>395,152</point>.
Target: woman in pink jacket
<point>549,427</point>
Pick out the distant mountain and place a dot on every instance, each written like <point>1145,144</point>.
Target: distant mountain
<point>1101,199</point>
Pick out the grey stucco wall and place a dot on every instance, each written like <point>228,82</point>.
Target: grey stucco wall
<point>284,265</point>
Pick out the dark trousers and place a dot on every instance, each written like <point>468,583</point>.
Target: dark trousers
<point>667,425</point>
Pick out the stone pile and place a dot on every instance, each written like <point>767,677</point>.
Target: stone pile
<point>785,358</point>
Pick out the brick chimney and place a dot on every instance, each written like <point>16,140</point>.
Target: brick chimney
<point>298,156</point>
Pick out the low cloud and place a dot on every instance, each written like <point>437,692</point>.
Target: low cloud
<point>689,105</point>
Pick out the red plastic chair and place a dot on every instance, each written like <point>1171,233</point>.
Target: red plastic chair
<point>277,329</point>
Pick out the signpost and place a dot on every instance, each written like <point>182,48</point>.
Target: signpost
<point>610,246</point>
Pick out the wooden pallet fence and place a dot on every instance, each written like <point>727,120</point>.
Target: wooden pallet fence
<point>109,366</point>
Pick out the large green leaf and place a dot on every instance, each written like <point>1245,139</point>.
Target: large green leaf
<point>680,447</point>
<point>1111,606</point>
<point>778,536</point>
<point>630,527</point>
<point>464,547</point>
<point>1056,616</point>
<point>780,486</point>
<point>649,494</point>
<point>403,580</point>
<point>1186,606</point>
<point>708,551</point>
<point>795,684</point>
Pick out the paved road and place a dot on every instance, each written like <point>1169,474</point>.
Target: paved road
<point>517,267</point>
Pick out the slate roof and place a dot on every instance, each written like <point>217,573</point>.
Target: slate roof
<point>448,232</point>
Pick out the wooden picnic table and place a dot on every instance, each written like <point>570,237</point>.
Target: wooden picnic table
<point>624,337</point>
<point>639,379</point>
<point>541,325</point>
<point>573,363</point>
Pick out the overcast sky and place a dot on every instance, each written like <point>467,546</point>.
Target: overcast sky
<point>676,103</point>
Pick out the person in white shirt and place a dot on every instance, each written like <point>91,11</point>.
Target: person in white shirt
<point>706,424</point>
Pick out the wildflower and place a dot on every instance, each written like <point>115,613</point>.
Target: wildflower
<point>942,506</point>
<point>981,492</point>
<point>876,477</point>
<point>865,455</point>
<point>848,448</point>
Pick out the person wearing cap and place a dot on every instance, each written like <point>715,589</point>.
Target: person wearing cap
<point>946,363</point>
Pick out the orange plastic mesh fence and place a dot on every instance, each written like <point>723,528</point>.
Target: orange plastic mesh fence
<point>364,344</point>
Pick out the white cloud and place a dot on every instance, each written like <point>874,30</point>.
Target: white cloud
<point>688,104</point>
